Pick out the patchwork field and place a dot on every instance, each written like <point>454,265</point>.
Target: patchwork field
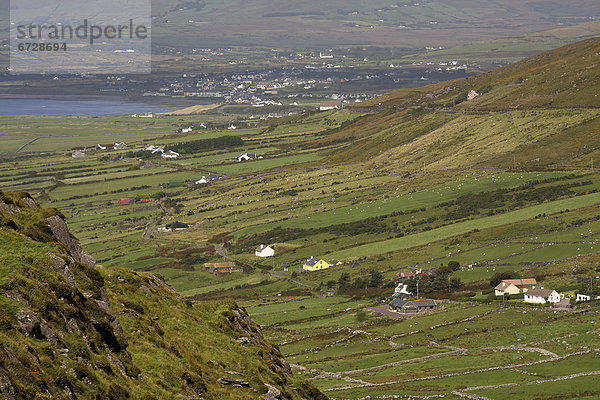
<point>448,352</point>
<point>461,195</point>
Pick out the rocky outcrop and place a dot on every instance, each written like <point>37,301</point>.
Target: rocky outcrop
<point>9,208</point>
<point>61,267</point>
<point>272,394</point>
<point>36,327</point>
<point>29,202</point>
<point>233,382</point>
<point>61,232</point>
<point>254,335</point>
<point>6,385</point>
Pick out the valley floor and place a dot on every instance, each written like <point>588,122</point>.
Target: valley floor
<point>460,350</point>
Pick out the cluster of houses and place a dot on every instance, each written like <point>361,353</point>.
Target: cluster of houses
<point>144,115</point>
<point>169,154</point>
<point>527,287</point>
<point>317,264</point>
<point>80,153</point>
<point>533,294</point>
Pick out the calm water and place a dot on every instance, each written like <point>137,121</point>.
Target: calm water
<point>92,108</point>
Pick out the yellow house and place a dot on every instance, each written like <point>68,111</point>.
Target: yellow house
<point>315,264</point>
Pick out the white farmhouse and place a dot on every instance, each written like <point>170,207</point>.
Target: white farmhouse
<point>154,149</point>
<point>541,296</point>
<point>506,288</point>
<point>119,146</point>
<point>246,157</point>
<point>264,251</point>
<point>170,154</point>
<point>202,181</point>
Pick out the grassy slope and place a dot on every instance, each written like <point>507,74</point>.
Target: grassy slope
<point>564,77</point>
<point>167,347</point>
<point>487,131</point>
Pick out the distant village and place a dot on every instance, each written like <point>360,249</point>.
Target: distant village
<point>304,75</point>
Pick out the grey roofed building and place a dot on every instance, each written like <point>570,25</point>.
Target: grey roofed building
<point>540,292</point>
<point>412,306</point>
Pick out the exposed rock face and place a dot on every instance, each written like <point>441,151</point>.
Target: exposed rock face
<point>36,327</point>
<point>9,208</point>
<point>16,296</point>
<point>29,202</point>
<point>61,232</point>
<point>272,394</point>
<point>254,335</point>
<point>6,385</point>
<point>104,304</point>
<point>61,267</point>
<point>233,382</point>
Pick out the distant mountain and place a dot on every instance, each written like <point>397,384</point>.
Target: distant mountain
<point>70,329</point>
<point>399,23</point>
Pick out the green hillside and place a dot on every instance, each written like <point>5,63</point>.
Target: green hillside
<point>71,329</point>
<point>564,77</point>
<point>539,112</point>
<point>465,191</point>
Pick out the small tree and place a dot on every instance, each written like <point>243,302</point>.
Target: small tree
<point>344,280</point>
<point>375,279</point>
<point>455,283</point>
<point>454,265</point>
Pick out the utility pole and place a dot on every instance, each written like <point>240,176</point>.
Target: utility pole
<point>417,289</point>
<point>514,162</point>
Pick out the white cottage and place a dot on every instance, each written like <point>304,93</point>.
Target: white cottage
<point>246,157</point>
<point>541,296</point>
<point>264,251</point>
<point>170,154</point>
<point>506,288</point>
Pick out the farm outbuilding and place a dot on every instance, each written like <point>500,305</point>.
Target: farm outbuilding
<point>415,306</point>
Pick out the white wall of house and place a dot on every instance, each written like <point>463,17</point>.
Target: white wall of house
<point>582,297</point>
<point>534,299</point>
<point>554,297</point>
<point>266,252</point>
